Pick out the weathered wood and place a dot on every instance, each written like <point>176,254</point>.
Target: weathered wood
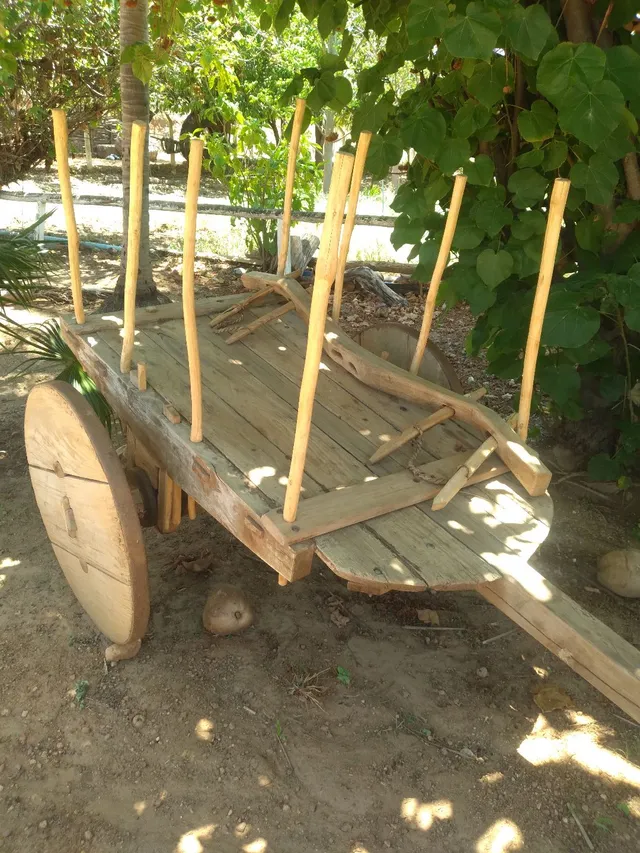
<point>464,475</point>
<point>351,505</point>
<point>138,132</point>
<point>245,331</point>
<point>362,148</point>
<point>584,643</point>
<point>218,486</point>
<point>294,146</point>
<point>196,148</point>
<point>61,141</point>
<point>559,195</point>
<point>258,296</point>
<point>192,508</point>
<point>325,272</point>
<point>420,427</point>
<point>165,503</point>
<point>154,314</point>
<point>87,508</point>
<point>171,414</point>
<point>176,506</point>
<point>372,370</point>
<point>142,376</point>
<point>367,279</point>
<point>442,260</point>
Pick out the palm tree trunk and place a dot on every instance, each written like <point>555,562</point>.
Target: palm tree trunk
<point>135,107</point>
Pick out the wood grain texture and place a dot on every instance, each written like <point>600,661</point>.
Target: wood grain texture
<point>61,142</point>
<point>87,509</point>
<point>294,147</point>
<point>262,320</point>
<point>464,475</point>
<point>372,370</point>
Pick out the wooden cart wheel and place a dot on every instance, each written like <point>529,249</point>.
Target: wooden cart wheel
<point>87,509</point>
<point>399,343</point>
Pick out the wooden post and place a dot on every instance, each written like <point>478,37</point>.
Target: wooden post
<point>192,508</point>
<point>440,267</point>
<point>138,131</point>
<point>352,208</point>
<point>188,292</point>
<point>557,204</point>
<point>61,139</point>
<point>325,272</point>
<point>294,147</point>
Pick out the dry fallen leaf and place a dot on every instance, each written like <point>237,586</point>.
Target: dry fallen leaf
<point>552,698</point>
<point>339,619</point>
<point>429,617</point>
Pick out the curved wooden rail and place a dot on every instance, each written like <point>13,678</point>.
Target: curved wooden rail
<point>377,373</point>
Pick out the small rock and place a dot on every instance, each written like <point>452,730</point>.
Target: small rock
<point>566,458</point>
<point>286,807</point>
<point>468,753</point>
<point>88,835</point>
<point>43,824</point>
<point>24,714</point>
<point>238,270</point>
<point>482,672</point>
<point>138,721</point>
<point>118,652</point>
<point>227,611</point>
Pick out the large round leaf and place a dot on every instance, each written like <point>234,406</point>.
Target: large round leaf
<point>384,152</point>
<point>453,155</point>
<point>480,171</point>
<point>567,324</point>
<point>527,186</point>
<point>539,123</point>
<point>568,64</point>
<point>591,114</point>
<point>623,68</point>
<point>598,178</point>
<point>469,118</point>
<point>474,34</point>
<point>494,267</point>
<point>425,130</point>
<point>529,29</point>
<point>426,19</point>
<point>488,82</point>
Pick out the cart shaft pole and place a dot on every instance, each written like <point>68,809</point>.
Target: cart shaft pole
<point>294,147</point>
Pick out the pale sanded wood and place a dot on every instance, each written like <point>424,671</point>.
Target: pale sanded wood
<point>176,506</point>
<point>354,504</point>
<point>61,141</point>
<point>142,376</point>
<point>192,508</point>
<point>188,293</point>
<point>372,370</point>
<point>559,195</point>
<point>136,186</point>
<point>294,147</point>
<point>442,260</point>
<point>165,503</point>
<point>171,414</point>
<point>218,486</point>
<point>362,149</point>
<point>324,275</point>
<point>256,297</point>
<point>464,475</point>
<point>245,331</point>
<point>87,508</point>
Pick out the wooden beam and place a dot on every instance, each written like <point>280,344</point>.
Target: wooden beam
<point>325,272</point>
<point>354,504</point>
<point>441,265</point>
<point>588,646</point>
<point>438,417</point>
<point>61,141</point>
<point>294,147</point>
<point>385,376</point>
<point>352,207</point>
<point>245,331</point>
<point>138,132</point>
<point>196,148</point>
<point>464,474</point>
<point>240,307</point>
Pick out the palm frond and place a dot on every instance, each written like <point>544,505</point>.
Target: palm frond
<point>24,267</point>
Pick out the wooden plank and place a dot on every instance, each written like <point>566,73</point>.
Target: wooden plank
<point>165,503</point>
<point>262,320</point>
<point>374,371</point>
<point>354,504</point>
<point>217,485</point>
<point>152,314</point>
<point>584,643</point>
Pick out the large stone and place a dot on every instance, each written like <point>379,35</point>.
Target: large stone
<point>619,571</point>
<point>227,610</point>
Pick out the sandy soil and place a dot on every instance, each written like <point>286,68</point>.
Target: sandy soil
<point>253,743</point>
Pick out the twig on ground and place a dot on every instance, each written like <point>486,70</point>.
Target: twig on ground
<point>499,636</point>
<point>630,722</point>
<point>583,831</point>
<point>431,628</point>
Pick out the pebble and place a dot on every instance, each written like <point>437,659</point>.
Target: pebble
<point>43,824</point>
<point>468,753</point>
<point>482,672</point>
<point>24,714</point>
<point>286,807</point>
<point>138,721</point>
<point>88,835</point>
<point>4,712</point>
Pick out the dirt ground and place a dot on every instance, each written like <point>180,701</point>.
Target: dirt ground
<point>327,726</point>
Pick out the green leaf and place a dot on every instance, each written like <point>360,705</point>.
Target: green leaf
<point>626,288</point>
<point>468,285</point>
<point>426,19</point>
<point>491,216</point>
<point>617,144</point>
<point>425,130</point>
<point>283,15</point>
<point>406,230</point>
<point>527,186</point>
<point>488,82</point>
<point>555,154</point>
<point>632,318</point>
<point>567,65</point>
<point>473,35</point>
<point>568,324</point>
<point>343,95</point>
<point>480,171</point>
<point>598,178</point>
<point>539,123</point>
<point>590,113</point>
<point>331,16</point>
<point>627,211</point>
<point>623,68</point>
<point>453,155</point>
<point>467,237</point>
<point>384,152</point>
<point>590,352</point>
<point>560,381</point>
<point>343,675</point>
<point>589,234</point>
<point>603,468</point>
<point>529,29</point>
<point>494,267</point>
<point>529,222</point>
<point>371,115</point>
<point>469,118</point>
<point>530,159</point>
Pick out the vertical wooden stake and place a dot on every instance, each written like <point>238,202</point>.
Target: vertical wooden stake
<point>440,267</point>
<point>188,292</point>
<point>176,506</point>
<point>557,205</point>
<point>138,131</point>
<point>325,272</point>
<point>294,147</point>
<point>192,507</point>
<point>352,207</point>
<point>61,140</point>
<point>142,376</point>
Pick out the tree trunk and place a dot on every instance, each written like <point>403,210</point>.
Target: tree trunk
<point>134,97</point>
